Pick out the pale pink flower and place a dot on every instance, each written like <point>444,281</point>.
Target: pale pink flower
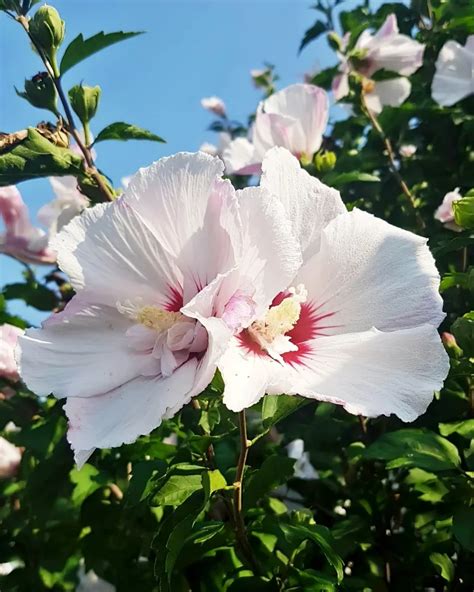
<point>69,202</point>
<point>164,276</point>
<point>407,150</point>
<point>294,118</point>
<point>445,212</point>
<point>21,239</point>
<point>454,76</point>
<point>389,50</point>
<point>8,337</point>
<point>356,326</point>
<point>10,458</point>
<point>214,105</point>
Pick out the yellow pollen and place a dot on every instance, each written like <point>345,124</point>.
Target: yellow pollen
<point>157,318</point>
<point>279,319</point>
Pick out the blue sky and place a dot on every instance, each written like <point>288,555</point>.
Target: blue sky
<point>191,49</point>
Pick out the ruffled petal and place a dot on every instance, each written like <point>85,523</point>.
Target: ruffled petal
<point>372,373</point>
<point>82,352</point>
<point>131,410</point>
<point>369,273</point>
<point>309,204</point>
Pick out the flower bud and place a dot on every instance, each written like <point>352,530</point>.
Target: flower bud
<point>325,161</point>
<point>47,29</point>
<point>335,41</point>
<point>41,92</point>
<point>450,344</point>
<point>84,101</point>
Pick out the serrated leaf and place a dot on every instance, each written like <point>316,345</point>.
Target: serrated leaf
<point>339,179</point>
<point>463,331</point>
<point>414,448</point>
<point>312,33</point>
<point>277,407</point>
<point>79,49</point>
<point>296,534</point>
<point>177,489</point>
<point>275,470</point>
<point>463,527</point>
<point>444,565</point>
<point>36,157</point>
<point>464,428</point>
<point>125,131</point>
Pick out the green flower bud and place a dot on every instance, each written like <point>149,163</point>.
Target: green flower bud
<point>334,41</point>
<point>84,101</point>
<point>47,29</point>
<point>325,161</point>
<point>40,92</point>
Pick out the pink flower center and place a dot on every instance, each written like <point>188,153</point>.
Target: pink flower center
<point>287,330</point>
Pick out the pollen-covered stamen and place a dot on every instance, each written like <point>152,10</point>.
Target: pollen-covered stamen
<point>270,332</point>
<point>157,318</point>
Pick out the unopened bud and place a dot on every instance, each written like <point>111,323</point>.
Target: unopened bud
<point>335,41</point>
<point>450,343</point>
<point>47,29</point>
<point>84,101</point>
<point>41,92</point>
<point>325,161</point>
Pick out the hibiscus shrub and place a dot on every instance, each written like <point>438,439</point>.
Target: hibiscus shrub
<point>182,311</point>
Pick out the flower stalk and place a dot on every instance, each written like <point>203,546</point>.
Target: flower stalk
<point>392,161</point>
<point>55,75</point>
<point>239,524</point>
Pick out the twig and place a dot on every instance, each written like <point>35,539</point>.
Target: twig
<point>71,127</point>
<point>239,524</point>
<point>393,164</point>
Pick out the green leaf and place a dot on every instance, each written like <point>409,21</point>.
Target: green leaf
<point>86,481</point>
<point>464,212</point>
<point>277,407</point>
<point>444,565</point>
<point>431,488</point>
<point>414,448</point>
<point>141,484</point>
<point>36,157</point>
<point>177,489</point>
<point>463,527</point>
<point>33,294</point>
<point>312,33</point>
<point>463,331</point>
<point>464,428</point>
<point>339,179</point>
<point>79,49</point>
<point>125,131</point>
<point>275,469</point>
<point>321,536</point>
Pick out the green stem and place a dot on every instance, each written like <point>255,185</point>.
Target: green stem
<point>53,72</point>
<point>239,524</point>
<point>392,160</point>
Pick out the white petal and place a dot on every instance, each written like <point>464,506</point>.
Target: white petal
<point>240,158</point>
<point>182,199</point>
<point>81,352</point>
<point>309,204</point>
<point>110,250</point>
<point>340,86</point>
<point>374,373</point>
<point>454,79</point>
<point>246,376</point>
<point>369,273</point>
<point>271,255</point>
<point>131,410</point>
<point>390,93</point>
